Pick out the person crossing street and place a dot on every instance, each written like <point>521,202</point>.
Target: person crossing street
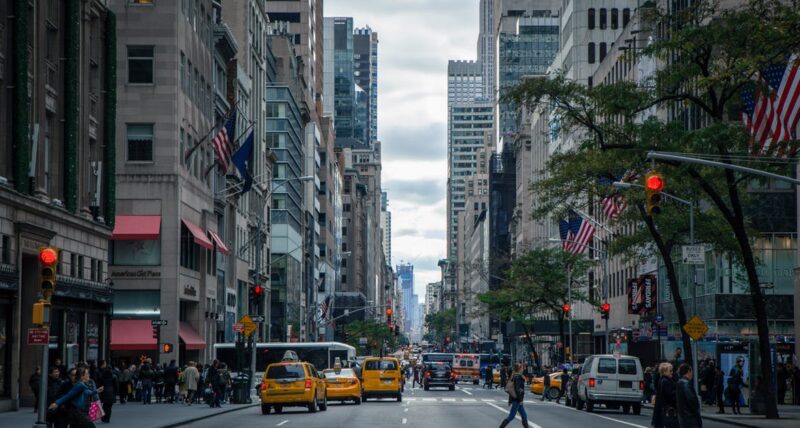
<point>516,393</point>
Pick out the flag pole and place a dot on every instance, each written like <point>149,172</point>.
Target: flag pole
<point>249,127</point>
<point>197,145</point>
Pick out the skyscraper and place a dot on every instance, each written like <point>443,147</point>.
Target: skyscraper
<point>344,85</point>
<point>365,58</point>
<point>486,48</point>
<point>405,276</point>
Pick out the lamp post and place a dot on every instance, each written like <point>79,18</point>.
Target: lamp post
<point>625,185</point>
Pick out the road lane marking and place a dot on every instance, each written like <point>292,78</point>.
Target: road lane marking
<point>428,399</point>
<point>404,421</point>
<point>599,416</point>
<point>469,400</point>
<point>406,409</point>
<point>282,423</point>
<point>466,392</point>
<point>488,400</point>
<point>519,418</point>
<point>448,399</point>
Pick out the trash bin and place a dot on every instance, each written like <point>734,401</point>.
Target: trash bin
<point>241,390</point>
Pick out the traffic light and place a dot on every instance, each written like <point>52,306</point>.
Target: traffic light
<point>156,332</point>
<point>48,259</point>
<point>605,309</point>
<point>566,308</point>
<point>166,348</point>
<point>256,293</point>
<point>389,317</point>
<point>653,185</point>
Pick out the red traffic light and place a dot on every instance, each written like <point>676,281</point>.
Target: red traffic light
<point>654,182</point>
<point>166,348</point>
<point>48,256</point>
<point>566,307</point>
<point>388,312</point>
<point>605,307</point>
<point>258,290</point>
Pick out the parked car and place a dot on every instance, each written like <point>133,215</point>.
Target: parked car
<point>611,380</point>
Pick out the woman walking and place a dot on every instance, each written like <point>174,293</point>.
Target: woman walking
<point>516,392</point>
<point>79,398</point>
<point>665,413</point>
<point>110,384</point>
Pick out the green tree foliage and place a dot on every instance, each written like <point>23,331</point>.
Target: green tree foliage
<point>440,325</point>
<point>376,333</point>
<point>537,286</point>
<point>707,56</point>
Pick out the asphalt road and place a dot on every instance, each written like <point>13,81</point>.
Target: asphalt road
<point>466,407</point>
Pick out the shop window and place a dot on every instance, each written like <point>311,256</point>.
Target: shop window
<point>140,64</point>
<point>136,253</point>
<point>140,142</point>
<point>190,251</point>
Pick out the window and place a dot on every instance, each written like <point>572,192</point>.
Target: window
<point>140,142</point>
<point>344,262</point>
<point>347,208</point>
<point>284,17</point>
<point>141,2</point>
<point>607,366</point>
<point>591,53</point>
<point>136,253</point>
<point>591,19</point>
<point>344,279</point>
<point>140,64</point>
<point>183,72</point>
<point>614,18</point>
<point>6,251</point>
<point>627,366</point>
<point>603,48</point>
<point>380,365</point>
<point>189,250</point>
<point>80,267</point>
<point>603,18</point>
<point>626,17</point>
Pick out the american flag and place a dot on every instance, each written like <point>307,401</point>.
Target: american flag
<point>615,203</point>
<point>223,143</point>
<point>771,107</point>
<point>324,309</point>
<point>582,232</point>
<point>566,235</point>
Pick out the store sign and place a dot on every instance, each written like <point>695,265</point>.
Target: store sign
<point>38,336</point>
<point>141,273</point>
<point>634,296</point>
<point>190,290</point>
<point>642,295</point>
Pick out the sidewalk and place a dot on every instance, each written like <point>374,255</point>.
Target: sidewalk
<point>790,417</point>
<point>136,415</point>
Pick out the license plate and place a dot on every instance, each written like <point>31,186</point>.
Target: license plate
<point>625,384</point>
<point>387,382</point>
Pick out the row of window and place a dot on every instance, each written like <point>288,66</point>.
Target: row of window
<point>603,15</point>
<point>194,85</point>
<point>592,50</point>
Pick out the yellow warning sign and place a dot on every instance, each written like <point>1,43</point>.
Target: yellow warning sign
<point>696,328</point>
<point>248,324</point>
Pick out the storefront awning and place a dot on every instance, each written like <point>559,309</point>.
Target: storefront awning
<point>136,227</point>
<point>221,247</point>
<point>190,338</point>
<point>132,335</point>
<point>198,234</point>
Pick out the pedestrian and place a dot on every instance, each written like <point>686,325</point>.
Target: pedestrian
<point>146,378</point>
<point>110,384</point>
<point>190,378</point>
<point>564,382</point>
<point>170,380</point>
<point>516,393</point>
<point>61,369</point>
<point>686,399</point>
<point>124,385</point>
<point>225,380</point>
<point>54,383</point>
<point>33,382</point>
<point>719,389</point>
<point>503,376</point>
<point>781,376</point>
<point>735,384</point>
<point>415,381</point>
<point>79,398</point>
<point>214,381</point>
<point>677,360</point>
<point>158,383</point>
<point>648,385</point>
<point>488,373</point>
<point>546,389</point>
<point>708,380</point>
<point>665,411</point>
<point>61,414</point>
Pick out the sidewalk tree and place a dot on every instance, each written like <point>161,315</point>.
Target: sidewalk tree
<point>440,325</point>
<point>707,55</point>
<point>537,286</point>
<point>376,333</point>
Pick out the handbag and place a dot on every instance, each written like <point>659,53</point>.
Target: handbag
<point>96,411</point>
<point>510,389</point>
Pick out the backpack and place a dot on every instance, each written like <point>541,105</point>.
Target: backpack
<point>511,389</point>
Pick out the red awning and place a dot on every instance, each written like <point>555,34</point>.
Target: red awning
<point>199,236</point>
<point>136,227</point>
<point>132,335</point>
<point>220,245</point>
<point>190,338</point>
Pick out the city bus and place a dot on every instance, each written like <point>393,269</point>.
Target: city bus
<point>321,354</point>
<point>436,357</point>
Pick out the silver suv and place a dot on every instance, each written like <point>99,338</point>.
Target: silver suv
<point>612,380</point>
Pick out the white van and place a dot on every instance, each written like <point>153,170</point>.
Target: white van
<point>613,380</point>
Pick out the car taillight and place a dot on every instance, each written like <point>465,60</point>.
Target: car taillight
<point>427,374</point>
<point>353,381</point>
<point>452,374</point>
<point>308,383</point>
<point>263,385</point>
<point>592,382</point>
<point>641,385</point>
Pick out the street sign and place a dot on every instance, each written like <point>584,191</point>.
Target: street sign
<point>160,323</point>
<point>38,336</point>
<point>696,328</point>
<point>238,327</point>
<point>693,254</point>
<point>248,324</point>
<point>362,341</point>
<point>257,318</point>
<point>659,318</point>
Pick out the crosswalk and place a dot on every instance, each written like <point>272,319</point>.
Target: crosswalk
<point>459,400</point>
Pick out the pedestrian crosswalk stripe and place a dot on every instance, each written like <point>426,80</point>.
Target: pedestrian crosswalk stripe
<point>428,399</point>
<point>448,399</point>
<point>471,400</point>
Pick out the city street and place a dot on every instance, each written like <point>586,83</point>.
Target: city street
<point>466,407</point>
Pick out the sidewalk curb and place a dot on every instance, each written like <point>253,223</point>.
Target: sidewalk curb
<point>729,422</point>
<point>200,418</point>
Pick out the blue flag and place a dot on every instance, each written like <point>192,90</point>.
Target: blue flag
<point>243,158</point>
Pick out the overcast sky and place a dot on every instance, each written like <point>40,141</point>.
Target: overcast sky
<point>416,38</point>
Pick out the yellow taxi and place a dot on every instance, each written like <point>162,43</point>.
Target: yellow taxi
<point>292,383</point>
<point>496,376</point>
<point>537,386</point>
<point>380,378</point>
<point>342,384</point>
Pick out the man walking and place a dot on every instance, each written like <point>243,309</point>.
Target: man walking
<point>564,382</point>
<point>546,380</point>
<point>686,398</point>
<point>191,376</point>
<point>170,379</point>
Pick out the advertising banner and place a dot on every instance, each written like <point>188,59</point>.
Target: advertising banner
<point>643,295</point>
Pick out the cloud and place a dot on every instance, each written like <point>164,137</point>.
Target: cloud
<point>423,192</point>
<point>421,142</point>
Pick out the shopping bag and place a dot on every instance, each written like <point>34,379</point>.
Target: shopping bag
<point>96,410</point>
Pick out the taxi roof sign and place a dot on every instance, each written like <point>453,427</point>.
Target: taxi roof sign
<point>290,356</point>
